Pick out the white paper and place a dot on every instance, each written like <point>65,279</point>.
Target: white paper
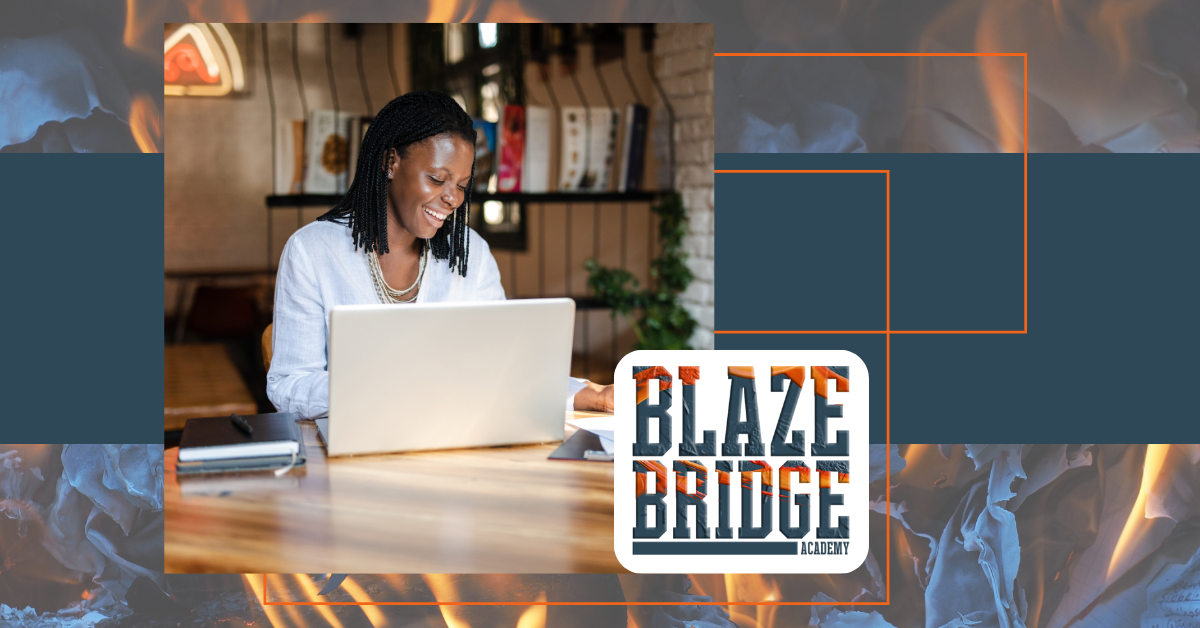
<point>1173,599</point>
<point>602,426</point>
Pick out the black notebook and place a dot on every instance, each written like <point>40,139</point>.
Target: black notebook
<point>261,463</point>
<point>219,438</point>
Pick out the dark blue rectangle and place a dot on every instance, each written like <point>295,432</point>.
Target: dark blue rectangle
<point>1112,298</point>
<point>799,231</point>
<point>712,548</point>
<point>957,242</point>
<point>82,249</point>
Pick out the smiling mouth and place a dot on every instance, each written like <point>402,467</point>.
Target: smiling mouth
<point>435,215</point>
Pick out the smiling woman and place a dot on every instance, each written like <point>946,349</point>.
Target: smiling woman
<point>407,211</point>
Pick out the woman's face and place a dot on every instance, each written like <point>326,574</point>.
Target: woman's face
<point>429,183</point>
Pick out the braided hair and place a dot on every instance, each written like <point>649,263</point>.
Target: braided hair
<point>406,120</point>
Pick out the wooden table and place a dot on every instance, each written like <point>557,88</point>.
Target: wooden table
<point>491,510</point>
<point>201,380</point>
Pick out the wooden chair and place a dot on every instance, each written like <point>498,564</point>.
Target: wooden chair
<point>266,348</point>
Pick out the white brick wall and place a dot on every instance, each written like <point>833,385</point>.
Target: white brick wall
<point>683,56</point>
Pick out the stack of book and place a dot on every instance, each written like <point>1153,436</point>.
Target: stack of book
<point>240,443</point>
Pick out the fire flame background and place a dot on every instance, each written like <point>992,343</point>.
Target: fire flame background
<point>79,76</point>
<point>1104,76</point>
<point>1088,529</point>
<point>983,535</point>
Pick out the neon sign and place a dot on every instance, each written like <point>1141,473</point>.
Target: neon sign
<point>201,60</point>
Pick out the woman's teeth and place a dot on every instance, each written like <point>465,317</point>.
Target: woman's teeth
<point>435,214</point>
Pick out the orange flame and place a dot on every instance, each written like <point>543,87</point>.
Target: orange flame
<point>509,11</point>
<point>141,25</point>
<point>293,612</point>
<point>752,587</point>
<point>534,616</point>
<point>145,122</point>
<point>918,452</point>
<point>1138,523</point>
<point>254,583</point>
<point>905,554</point>
<point>1089,60</point>
<point>444,590</point>
<point>1004,88</point>
<point>311,590</point>
<point>358,594</point>
<point>217,10</point>
<point>443,11</point>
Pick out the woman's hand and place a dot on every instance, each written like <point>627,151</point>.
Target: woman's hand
<point>595,398</point>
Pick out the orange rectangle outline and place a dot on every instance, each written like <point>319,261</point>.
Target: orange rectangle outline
<point>888,333</point>
<point>888,265</point>
<point>887,376</point>
<point>887,482</point>
<point>1025,158</point>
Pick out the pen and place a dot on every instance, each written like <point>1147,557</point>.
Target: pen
<point>241,424</point>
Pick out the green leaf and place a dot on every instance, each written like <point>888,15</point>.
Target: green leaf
<point>663,322</point>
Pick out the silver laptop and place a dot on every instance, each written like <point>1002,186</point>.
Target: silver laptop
<point>447,375</point>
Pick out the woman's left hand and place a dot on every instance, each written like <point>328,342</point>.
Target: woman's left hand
<point>595,398</point>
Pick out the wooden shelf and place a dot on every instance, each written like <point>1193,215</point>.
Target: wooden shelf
<point>293,201</point>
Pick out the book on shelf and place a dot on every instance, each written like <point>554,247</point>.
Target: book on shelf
<point>574,149</point>
<point>535,171</point>
<point>328,152</point>
<point>602,149</point>
<point>512,148</point>
<point>485,153</point>
<point>633,149</point>
<point>589,146</point>
<point>289,157</point>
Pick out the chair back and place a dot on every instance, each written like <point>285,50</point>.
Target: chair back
<point>266,348</point>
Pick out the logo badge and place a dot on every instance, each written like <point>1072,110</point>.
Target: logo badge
<point>741,462</point>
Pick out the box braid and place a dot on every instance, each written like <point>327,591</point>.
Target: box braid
<point>406,120</point>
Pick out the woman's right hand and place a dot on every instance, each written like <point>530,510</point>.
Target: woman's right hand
<point>595,398</point>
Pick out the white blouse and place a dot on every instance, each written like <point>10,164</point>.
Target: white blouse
<point>319,270</point>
